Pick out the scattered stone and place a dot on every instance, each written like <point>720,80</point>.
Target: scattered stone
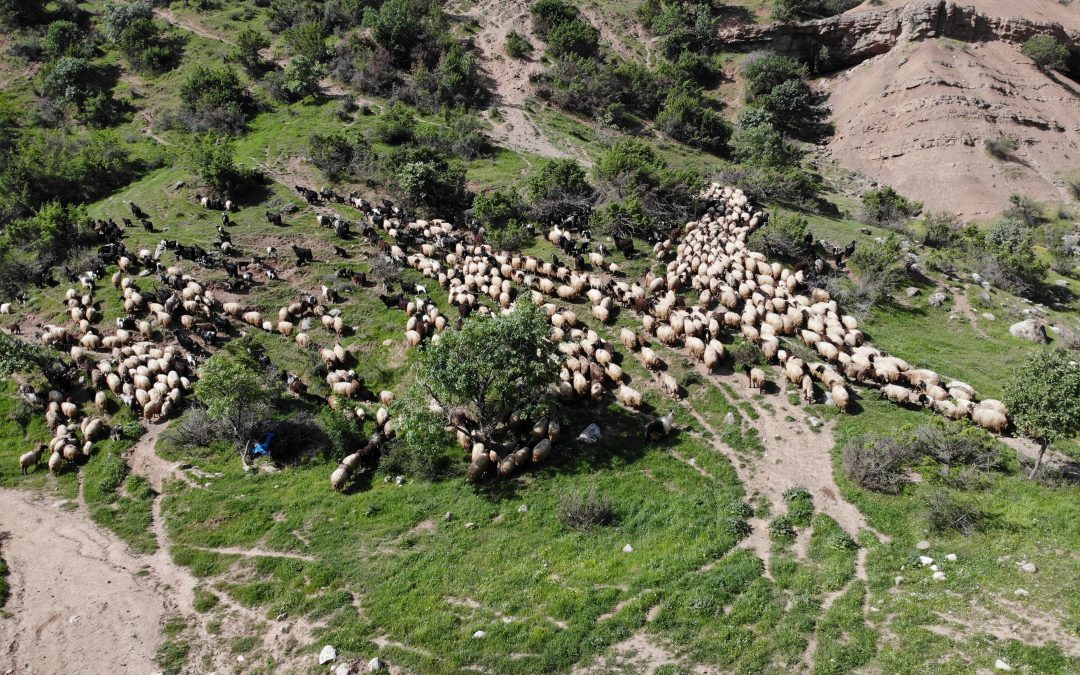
<point>523,508</point>
<point>469,526</point>
<point>988,316</point>
<point>897,580</point>
<point>911,291</point>
<point>61,504</point>
<point>1001,665</point>
<point>976,277</point>
<point>240,659</point>
<point>923,545</point>
<point>924,560</point>
<point>1028,567</point>
<point>814,421</point>
<point>1021,593</point>
<point>74,619</point>
<point>282,616</point>
<point>1028,329</point>
<point>934,568</point>
<point>448,516</point>
<point>387,343</point>
<point>628,549</point>
<point>399,480</point>
<point>343,669</point>
<point>938,299</point>
<point>1061,282</point>
<point>375,664</point>
<point>479,634</point>
<point>327,655</point>
<point>591,434</point>
<point>951,557</point>
<point>939,576</point>
<point>729,419</point>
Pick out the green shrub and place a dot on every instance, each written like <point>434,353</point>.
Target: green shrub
<point>784,237</point>
<point>800,505</point>
<point>396,125</point>
<point>301,78</point>
<point>64,38</point>
<point>430,178</point>
<point>1047,53</point>
<point>762,145</point>
<point>341,154</point>
<point>782,528</point>
<point>945,513</point>
<point>248,45</point>
<point>887,208</point>
<point>308,40</point>
<point>69,80</point>
<point>397,28</point>
<point>546,14</point>
<point>763,72</point>
<point>211,159</point>
<point>585,510</point>
<point>213,99</point>
<point>1023,210</point>
<point>517,46</point>
<point>942,230</point>
<point>558,190</point>
<point>686,118</point>
<point>575,37</point>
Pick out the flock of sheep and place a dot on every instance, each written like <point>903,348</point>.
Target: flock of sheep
<point>731,289</point>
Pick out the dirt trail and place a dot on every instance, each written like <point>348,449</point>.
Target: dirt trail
<point>509,76</point>
<point>74,590</point>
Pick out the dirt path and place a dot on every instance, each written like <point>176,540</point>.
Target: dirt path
<point>75,590</point>
<point>509,76</point>
<point>964,307</point>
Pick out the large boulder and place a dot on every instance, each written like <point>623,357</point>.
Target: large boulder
<point>1029,329</point>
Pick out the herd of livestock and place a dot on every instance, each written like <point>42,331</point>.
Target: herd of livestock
<point>707,284</point>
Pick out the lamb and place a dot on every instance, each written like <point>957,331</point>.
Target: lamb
<point>31,459</point>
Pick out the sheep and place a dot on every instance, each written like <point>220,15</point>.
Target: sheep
<point>840,397</point>
<point>629,339</point>
<point>670,385</point>
<point>990,418</point>
<point>31,459</point>
<point>755,376</point>
<point>631,398</point>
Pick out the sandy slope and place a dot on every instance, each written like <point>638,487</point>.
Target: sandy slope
<point>1066,13</point>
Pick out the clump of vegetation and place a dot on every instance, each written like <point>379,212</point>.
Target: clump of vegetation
<point>877,464</point>
<point>249,44</point>
<point>238,393</point>
<point>946,513</point>
<point>517,46</point>
<point>503,213</point>
<point>585,510</point>
<point>1043,399</point>
<point>783,237</point>
<point>885,207</point>
<point>559,190</point>
<point>782,528</point>
<point>942,230</point>
<point>1001,147</point>
<point>1047,53</point>
<point>790,10</point>
<point>689,119</point>
<point>213,99</point>
<point>211,159</point>
<point>342,154</point>
<point>131,26</point>
<point>800,505</point>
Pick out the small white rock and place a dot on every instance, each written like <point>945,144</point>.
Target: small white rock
<point>479,634</point>
<point>951,557</point>
<point>933,568</point>
<point>924,560</point>
<point>939,576</point>
<point>1021,593</point>
<point>343,669</point>
<point>897,580</point>
<point>240,659</point>
<point>1001,665</point>
<point>375,664</point>
<point>327,655</point>
<point>469,526</point>
<point>628,549</point>
<point>523,508</point>
<point>922,545</point>
<point>1028,567</point>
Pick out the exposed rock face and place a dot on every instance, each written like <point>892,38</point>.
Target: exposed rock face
<point>854,37</point>
<point>928,83</point>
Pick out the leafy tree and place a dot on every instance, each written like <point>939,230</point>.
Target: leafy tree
<point>430,178</point>
<point>558,190</point>
<point>457,80</point>
<point>1047,53</point>
<point>498,209</point>
<point>794,107</point>
<point>308,40</point>
<point>942,230</point>
<point>879,268</point>
<point>248,45</point>
<point>685,117</point>
<point>492,367</point>
<point>341,154</point>
<point>142,43</point>
<point>1043,398</point>
<point>628,160</point>
<point>302,76</point>
<point>767,71</point>
<point>118,16</point>
<point>574,37</point>
<point>1023,210</point>
<point>1007,258</point>
<point>396,125</point>
<point>236,392</point>
<point>397,27</point>
<point>54,227</point>
<point>763,145</point>
<point>210,157</point>
<point>784,236</point>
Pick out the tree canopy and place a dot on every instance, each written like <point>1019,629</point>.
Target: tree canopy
<point>1043,399</point>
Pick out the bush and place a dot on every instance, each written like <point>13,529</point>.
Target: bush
<point>214,99</point>
<point>586,510</point>
<point>248,45</point>
<point>142,43</point>
<point>517,46</point>
<point>301,78</point>
<point>1023,210</point>
<point>887,208</point>
<point>397,28</point>
<point>1001,147</point>
<point>686,117</point>
<point>795,107</point>
<point>64,38</point>
<point>784,237</point>
<point>342,429</point>
<point>800,505</point>
<point>429,178</point>
<point>210,158</point>
<point>546,14</point>
<point>1047,53</point>
<point>762,145</point>
<point>880,262</point>
<point>341,154</point>
<point>782,528</point>
<point>574,37</point>
<point>955,445</point>
<point>396,125</point>
<point>69,80</point>
<point>456,81</point>
<point>308,40</point>
<point>793,185</point>
<point>558,190</point>
<point>876,464</point>
<point>764,71</point>
<point>498,209</point>
<point>942,230</point>
<point>1008,259</point>
<point>945,513</point>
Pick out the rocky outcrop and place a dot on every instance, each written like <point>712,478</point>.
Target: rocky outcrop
<point>848,39</point>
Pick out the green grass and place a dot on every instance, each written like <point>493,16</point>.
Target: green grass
<point>5,590</point>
